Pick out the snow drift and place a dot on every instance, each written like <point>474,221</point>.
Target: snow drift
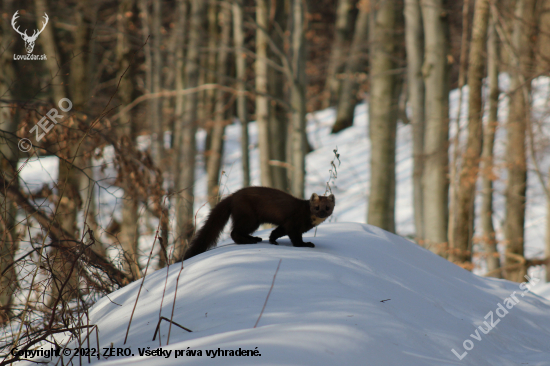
<point>362,296</point>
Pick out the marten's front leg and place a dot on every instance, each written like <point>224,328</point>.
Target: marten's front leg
<point>276,234</point>
<point>297,241</point>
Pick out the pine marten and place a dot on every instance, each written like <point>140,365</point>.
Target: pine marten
<point>252,206</point>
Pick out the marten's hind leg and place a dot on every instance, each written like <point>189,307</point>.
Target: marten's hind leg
<point>242,230</point>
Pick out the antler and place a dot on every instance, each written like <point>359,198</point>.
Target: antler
<point>25,35</point>
<point>43,26</point>
<point>13,19</point>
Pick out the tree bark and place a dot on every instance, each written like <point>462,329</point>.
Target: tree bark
<point>488,230</point>
<point>298,99</point>
<point>179,83</point>
<point>216,144</point>
<point>543,37</point>
<point>9,155</point>
<point>144,15</point>
<point>211,66</point>
<point>179,114</point>
<point>278,116</point>
<point>547,251</point>
<point>129,233</point>
<point>262,103</point>
<point>461,251</point>
<point>338,52</point>
<point>347,98</point>
<point>87,69</point>
<point>242,112</point>
<point>156,120</point>
<point>436,78</point>
<point>519,112</point>
<point>383,112</point>
<point>68,197</point>
<point>455,160</point>
<point>186,143</point>
<point>414,41</point>
<point>49,45</point>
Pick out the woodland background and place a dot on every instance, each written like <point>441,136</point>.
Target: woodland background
<point>145,76</point>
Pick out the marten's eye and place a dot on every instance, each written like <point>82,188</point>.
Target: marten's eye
<point>326,208</point>
<point>317,208</point>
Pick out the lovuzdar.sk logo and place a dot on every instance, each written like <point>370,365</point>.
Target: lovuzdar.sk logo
<point>29,40</point>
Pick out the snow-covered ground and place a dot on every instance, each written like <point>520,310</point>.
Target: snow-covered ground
<point>362,296</point>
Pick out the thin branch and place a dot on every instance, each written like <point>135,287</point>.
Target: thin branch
<point>61,236</point>
<point>269,293</point>
<point>171,322</point>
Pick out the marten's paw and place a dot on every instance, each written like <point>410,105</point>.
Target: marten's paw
<point>307,245</point>
<point>258,239</point>
<point>273,242</point>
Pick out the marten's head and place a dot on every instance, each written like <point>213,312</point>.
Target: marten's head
<point>321,207</point>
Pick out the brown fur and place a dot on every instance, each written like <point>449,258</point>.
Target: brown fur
<point>250,207</point>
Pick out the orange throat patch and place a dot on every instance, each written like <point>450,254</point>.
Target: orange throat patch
<point>317,220</point>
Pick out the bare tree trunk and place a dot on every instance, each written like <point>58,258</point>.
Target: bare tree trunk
<point>517,124</point>
<point>216,144</point>
<point>278,116</point>
<point>68,200</point>
<point>240,62</point>
<point>8,235</point>
<point>178,131</point>
<point>338,54</point>
<point>383,112</point>
<point>83,79</point>
<point>347,99</point>
<point>53,61</point>
<point>461,251</point>
<point>211,63</point>
<point>547,251</point>
<point>262,103</point>
<point>186,143</point>
<point>298,99</point>
<point>144,15</point>
<point>129,233</point>
<point>543,37</point>
<point>79,84</point>
<point>179,83</point>
<point>9,154</point>
<point>414,41</point>
<point>489,237</point>
<point>156,75</point>
<point>179,44</point>
<point>455,162</point>
<point>436,78</point>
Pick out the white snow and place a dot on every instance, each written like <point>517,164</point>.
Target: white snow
<point>362,296</point>
<point>327,306</point>
<point>543,290</point>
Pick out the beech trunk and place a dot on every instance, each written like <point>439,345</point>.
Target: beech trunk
<point>435,71</point>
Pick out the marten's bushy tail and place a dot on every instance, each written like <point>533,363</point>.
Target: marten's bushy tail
<point>208,235</point>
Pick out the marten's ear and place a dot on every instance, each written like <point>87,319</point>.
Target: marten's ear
<point>331,198</point>
<point>314,197</point>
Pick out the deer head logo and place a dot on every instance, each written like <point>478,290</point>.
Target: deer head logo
<point>29,40</point>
